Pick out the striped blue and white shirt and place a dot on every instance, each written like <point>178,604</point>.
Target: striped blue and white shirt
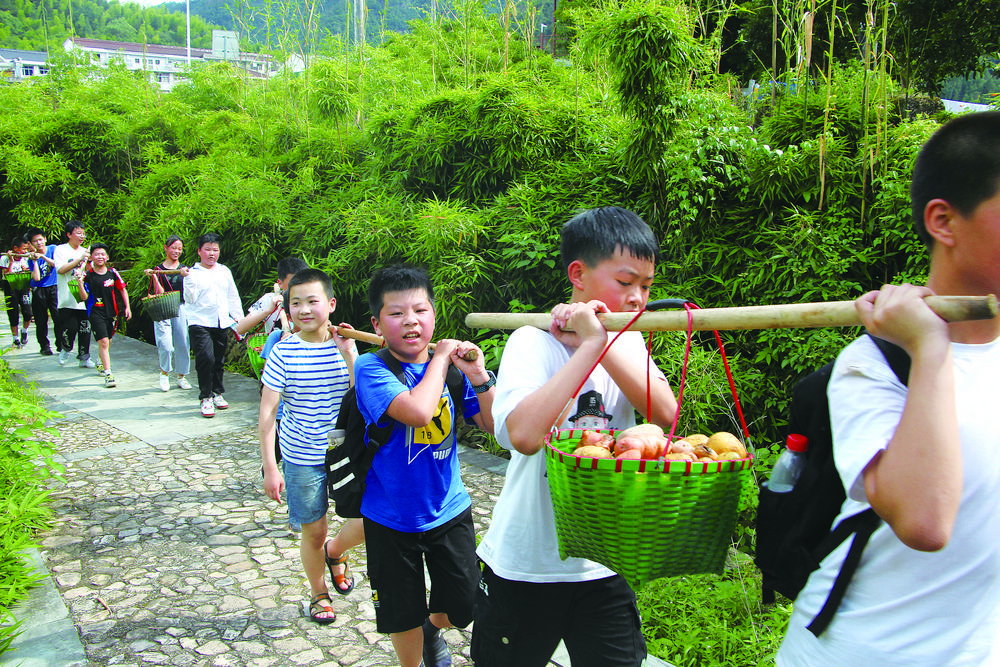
<point>312,379</point>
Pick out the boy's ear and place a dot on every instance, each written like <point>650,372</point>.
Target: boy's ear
<point>939,221</point>
<point>375,326</point>
<point>576,270</point>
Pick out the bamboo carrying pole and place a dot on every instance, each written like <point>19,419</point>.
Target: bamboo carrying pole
<point>784,316</point>
<point>374,339</point>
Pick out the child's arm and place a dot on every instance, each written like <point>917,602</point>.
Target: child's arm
<point>124,290</point>
<point>475,371</point>
<point>155,280</point>
<point>348,348</point>
<point>532,419</point>
<point>247,323</point>
<point>36,275</point>
<point>73,263</point>
<point>417,406</point>
<point>274,483</point>
<point>919,501</point>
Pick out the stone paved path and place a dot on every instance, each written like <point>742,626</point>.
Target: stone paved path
<point>165,549</point>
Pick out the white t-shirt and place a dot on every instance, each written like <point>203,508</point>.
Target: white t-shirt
<point>521,543</point>
<point>65,253</point>
<point>907,607</point>
<point>210,297</point>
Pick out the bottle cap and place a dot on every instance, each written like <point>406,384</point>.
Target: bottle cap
<point>797,442</point>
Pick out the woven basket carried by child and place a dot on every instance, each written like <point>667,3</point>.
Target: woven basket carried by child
<point>74,289</point>
<point>18,279</point>
<point>646,519</point>
<point>255,343</point>
<point>163,306</point>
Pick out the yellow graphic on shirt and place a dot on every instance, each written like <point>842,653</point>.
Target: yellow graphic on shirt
<point>438,432</point>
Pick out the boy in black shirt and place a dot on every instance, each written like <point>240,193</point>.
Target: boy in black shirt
<point>106,299</point>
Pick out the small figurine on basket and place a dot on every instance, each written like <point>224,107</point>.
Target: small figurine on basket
<point>107,298</point>
<point>17,276</point>
<point>529,598</point>
<point>171,333</point>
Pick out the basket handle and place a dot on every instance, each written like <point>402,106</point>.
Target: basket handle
<point>689,306</point>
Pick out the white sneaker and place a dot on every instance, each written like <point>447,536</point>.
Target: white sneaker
<point>164,382</point>
<point>63,357</point>
<point>220,402</point>
<point>87,363</point>
<point>207,407</point>
<point>182,382</point>
<point>109,381</point>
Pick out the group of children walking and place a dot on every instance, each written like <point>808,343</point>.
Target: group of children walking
<point>924,456</point>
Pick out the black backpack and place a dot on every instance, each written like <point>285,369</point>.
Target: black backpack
<point>347,464</point>
<point>795,529</point>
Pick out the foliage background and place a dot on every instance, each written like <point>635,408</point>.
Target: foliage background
<point>463,147</point>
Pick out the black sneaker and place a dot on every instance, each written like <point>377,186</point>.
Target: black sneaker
<point>436,653</point>
<point>45,352</point>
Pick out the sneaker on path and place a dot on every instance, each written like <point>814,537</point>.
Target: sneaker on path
<point>24,337</point>
<point>182,382</point>
<point>63,357</point>
<point>164,382</point>
<point>109,381</point>
<point>436,653</point>
<point>17,343</point>
<point>220,402</point>
<point>207,407</point>
<point>45,352</point>
<point>87,363</point>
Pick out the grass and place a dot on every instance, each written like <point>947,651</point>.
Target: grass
<point>26,462</point>
<point>712,620</point>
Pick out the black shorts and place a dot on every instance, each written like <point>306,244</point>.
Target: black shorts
<point>520,623</point>
<point>396,570</point>
<point>102,324</point>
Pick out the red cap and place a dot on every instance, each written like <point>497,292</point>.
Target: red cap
<point>797,442</point>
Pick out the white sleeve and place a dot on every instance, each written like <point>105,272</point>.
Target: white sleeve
<point>866,403</point>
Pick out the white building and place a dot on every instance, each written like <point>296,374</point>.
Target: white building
<point>166,64</point>
<point>16,65</point>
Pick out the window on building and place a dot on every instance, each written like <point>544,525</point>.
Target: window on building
<point>156,62</point>
<point>27,70</point>
<point>163,77</point>
<point>136,61</point>
<point>43,70</point>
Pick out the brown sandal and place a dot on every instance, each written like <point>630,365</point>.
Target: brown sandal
<point>338,579</point>
<point>316,607</point>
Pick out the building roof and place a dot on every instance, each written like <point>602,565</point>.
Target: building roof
<point>26,56</point>
<point>133,47</point>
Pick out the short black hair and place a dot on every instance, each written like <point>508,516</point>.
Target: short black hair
<point>396,278</point>
<point>291,265</point>
<point>596,234</point>
<point>209,237</point>
<point>18,240</point>
<point>960,164</point>
<point>308,275</point>
<point>100,246</point>
<point>33,232</point>
<point>71,225</point>
<point>172,239</point>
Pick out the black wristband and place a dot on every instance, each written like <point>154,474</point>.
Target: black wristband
<point>486,386</point>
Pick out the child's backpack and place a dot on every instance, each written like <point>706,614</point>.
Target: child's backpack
<point>347,464</point>
<point>795,529</point>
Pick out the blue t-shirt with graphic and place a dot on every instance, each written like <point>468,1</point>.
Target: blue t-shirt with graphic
<point>47,273</point>
<point>415,482</point>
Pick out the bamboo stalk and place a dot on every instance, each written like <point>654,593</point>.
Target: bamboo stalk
<point>375,339</point>
<point>783,316</point>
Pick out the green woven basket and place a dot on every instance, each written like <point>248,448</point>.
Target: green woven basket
<point>643,519</point>
<point>74,289</point>
<point>18,279</point>
<point>255,344</point>
<point>163,306</point>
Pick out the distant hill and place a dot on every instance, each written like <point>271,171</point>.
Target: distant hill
<point>43,25</point>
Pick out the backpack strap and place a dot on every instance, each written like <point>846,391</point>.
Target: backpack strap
<point>861,525</point>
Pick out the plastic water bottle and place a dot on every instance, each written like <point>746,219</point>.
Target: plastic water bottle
<point>789,465</point>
